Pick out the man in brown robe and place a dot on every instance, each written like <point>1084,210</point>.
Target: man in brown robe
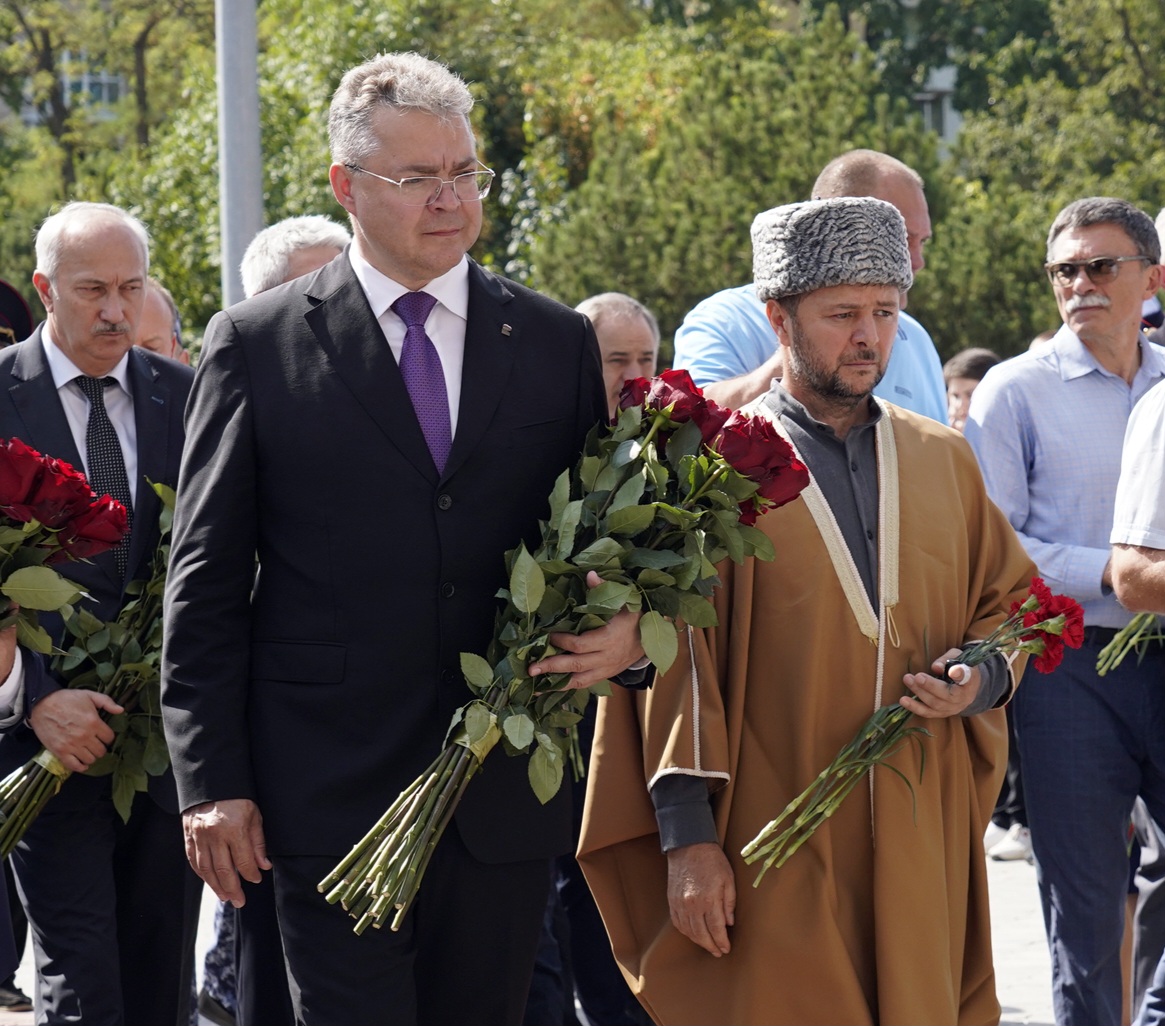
<point>892,562</point>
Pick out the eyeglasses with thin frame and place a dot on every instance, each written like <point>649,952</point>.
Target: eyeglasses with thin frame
<point>468,187</point>
<point>1100,271</point>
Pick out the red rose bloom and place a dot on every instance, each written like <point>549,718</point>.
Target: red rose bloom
<point>675,392</point>
<point>36,487</point>
<point>100,527</point>
<point>633,393</point>
<point>754,449</point>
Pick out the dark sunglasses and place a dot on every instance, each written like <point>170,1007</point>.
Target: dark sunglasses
<point>1099,271</point>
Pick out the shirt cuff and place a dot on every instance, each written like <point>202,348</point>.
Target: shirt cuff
<point>12,694</point>
<point>683,811</point>
<point>637,677</point>
<point>994,682</point>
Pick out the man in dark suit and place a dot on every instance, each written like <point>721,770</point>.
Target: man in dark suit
<point>379,490</point>
<point>112,905</point>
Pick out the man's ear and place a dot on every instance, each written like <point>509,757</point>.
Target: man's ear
<point>779,319</point>
<point>44,289</point>
<point>341,179</point>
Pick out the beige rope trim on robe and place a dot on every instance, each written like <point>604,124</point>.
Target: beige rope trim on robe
<point>697,770</point>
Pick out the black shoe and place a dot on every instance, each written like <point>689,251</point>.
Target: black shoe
<point>13,1000</point>
<point>212,1010</point>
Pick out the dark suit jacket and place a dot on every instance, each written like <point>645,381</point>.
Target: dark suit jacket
<point>332,686</point>
<point>31,410</point>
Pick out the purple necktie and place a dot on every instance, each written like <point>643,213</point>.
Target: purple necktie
<point>424,377</point>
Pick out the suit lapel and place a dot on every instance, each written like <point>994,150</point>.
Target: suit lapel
<point>345,328</point>
<point>33,393</point>
<point>491,334</point>
<point>151,408</point>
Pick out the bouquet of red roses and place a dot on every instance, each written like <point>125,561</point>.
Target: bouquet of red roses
<point>48,514</point>
<point>1041,625</point>
<point>671,489</point>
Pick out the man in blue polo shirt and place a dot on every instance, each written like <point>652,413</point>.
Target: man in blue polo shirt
<point>731,351</point>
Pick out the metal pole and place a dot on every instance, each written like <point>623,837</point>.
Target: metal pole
<point>240,166</point>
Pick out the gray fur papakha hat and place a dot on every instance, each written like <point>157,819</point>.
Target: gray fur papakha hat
<point>852,240</point>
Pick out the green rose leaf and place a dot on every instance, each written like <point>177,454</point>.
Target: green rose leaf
<point>567,526</point>
<point>39,587</point>
<point>519,728</point>
<point>757,543</point>
<point>156,758</point>
<point>610,596</point>
<point>696,610</point>
<point>630,520</point>
<point>629,493</point>
<point>527,583</point>
<point>481,730</point>
<point>33,636</point>
<point>559,498</point>
<point>626,452</point>
<point>545,771</point>
<point>658,637</point>
<point>600,554</point>
<point>476,670</point>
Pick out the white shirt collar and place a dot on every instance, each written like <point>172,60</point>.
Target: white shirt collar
<point>64,370</point>
<point>451,289</point>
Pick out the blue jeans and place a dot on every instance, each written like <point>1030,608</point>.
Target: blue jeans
<point>1089,745</point>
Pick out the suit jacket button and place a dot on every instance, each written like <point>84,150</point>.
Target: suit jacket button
<point>450,676</point>
<point>444,501</point>
<point>447,590</point>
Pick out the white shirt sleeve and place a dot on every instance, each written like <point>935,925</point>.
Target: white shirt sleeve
<point>1139,516</point>
<point>12,694</point>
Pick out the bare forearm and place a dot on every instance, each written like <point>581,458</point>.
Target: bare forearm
<point>739,391</point>
<point>1138,577</point>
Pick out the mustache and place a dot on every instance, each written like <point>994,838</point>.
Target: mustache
<point>110,328</point>
<point>1086,302</point>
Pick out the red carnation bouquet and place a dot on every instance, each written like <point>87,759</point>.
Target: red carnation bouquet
<point>48,515</point>
<point>1041,625</point>
<point>655,502</point>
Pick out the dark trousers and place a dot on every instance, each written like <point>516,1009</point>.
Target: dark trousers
<point>263,995</point>
<point>112,908</point>
<point>1089,746</point>
<point>464,954</point>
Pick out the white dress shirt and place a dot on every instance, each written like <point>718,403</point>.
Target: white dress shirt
<point>118,404</point>
<point>445,324</point>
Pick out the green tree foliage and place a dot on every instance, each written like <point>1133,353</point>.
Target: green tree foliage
<point>1091,126</point>
<point>712,136</point>
<point>74,147</point>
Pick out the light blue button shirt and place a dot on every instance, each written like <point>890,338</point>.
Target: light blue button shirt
<point>1048,427</point>
<point>728,334</point>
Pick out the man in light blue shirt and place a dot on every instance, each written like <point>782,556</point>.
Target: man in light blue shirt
<point>731,351</point>
<point>1047,428</point>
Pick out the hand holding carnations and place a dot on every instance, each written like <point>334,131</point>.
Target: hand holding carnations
<point>934,698</point>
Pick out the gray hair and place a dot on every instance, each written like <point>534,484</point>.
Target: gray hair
<point>268,256</point>
<point>617,306</point>
<point>860,173</point>
<point>54,231</point>
<point>400,81</point>
<point>1134,222</point>
<point>1160,223</point>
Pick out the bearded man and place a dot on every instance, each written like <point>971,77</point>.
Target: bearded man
<point>894,561</point>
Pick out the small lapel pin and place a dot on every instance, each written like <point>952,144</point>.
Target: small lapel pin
<point>159,400</point>
<point>506,329</point>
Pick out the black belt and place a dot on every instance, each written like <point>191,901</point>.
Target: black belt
<point>1100,635</point>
